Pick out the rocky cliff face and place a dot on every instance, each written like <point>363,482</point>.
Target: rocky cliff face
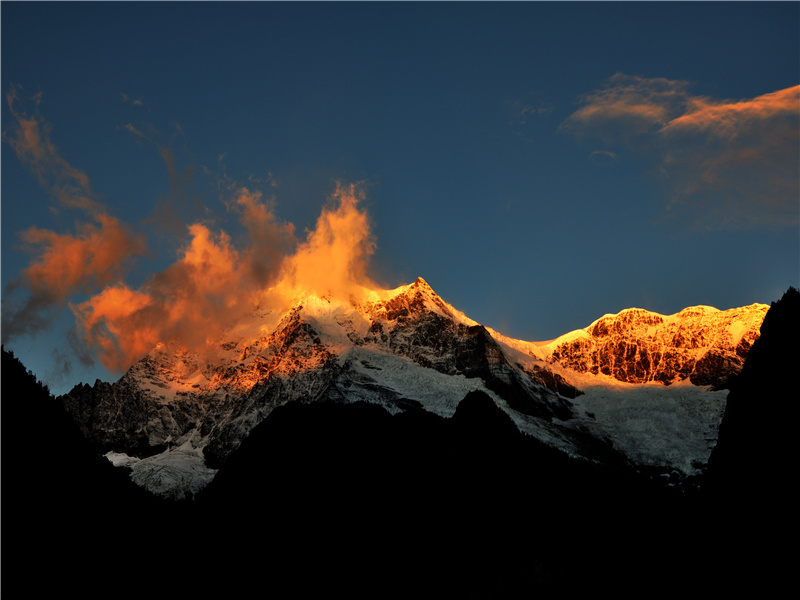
<point>702,344</point>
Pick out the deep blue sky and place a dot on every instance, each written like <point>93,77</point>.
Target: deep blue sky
<point>539,164</point>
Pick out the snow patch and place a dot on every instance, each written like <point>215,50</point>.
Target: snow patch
<point>437,392</point>
<point>673,427</point>
<point>176,473</point>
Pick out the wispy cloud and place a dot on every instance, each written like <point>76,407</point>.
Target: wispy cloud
<point>522,112</point>
<point>171,211</point>
<point>29,137</point>
<point>96,253</point>
<point>728,164</point>
<point>135,101</point>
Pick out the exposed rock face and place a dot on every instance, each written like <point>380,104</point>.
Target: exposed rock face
<point>700,343</point>
<point>419,325</point>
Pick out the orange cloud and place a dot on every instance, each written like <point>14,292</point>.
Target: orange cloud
<point>269,239</point>
<point>334,258</point>
<point>82,262</point>
<point>213,284</point>
<point>730,120</point>
<point>113,324</point>
<point>191,302</point>
<point>728,164</point>
<point>97,254</point>
<point>29,137</point>
<point>627,107</point>
<point>67,264</point>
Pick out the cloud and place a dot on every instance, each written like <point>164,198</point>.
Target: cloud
<point>333,260</point>
<point>191,302</point>
<point>69,263</point>
<point>213,284</point>
<point>726,164</point>
<point>135,101</point>
<point>213,280</point>
<point>522,112</point>
<point>269,239</point>
<point>112,325</point>
<point>626,108</point>
<point>170,212</point>
<point>63,264</point>
<point>603,155</point>
<point>29,137</point>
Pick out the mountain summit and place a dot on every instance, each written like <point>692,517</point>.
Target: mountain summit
<point>178,413</point>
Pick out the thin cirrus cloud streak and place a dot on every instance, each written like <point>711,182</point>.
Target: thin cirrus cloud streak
<point>167,211</point>
<point>210,285</point>
<point>726,164</point>
<point>29,137</point>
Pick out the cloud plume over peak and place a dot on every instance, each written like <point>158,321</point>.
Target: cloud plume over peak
<point>333,260</point>
<point>213,283</point>
<point>728,164</point>
<point>213,280</point>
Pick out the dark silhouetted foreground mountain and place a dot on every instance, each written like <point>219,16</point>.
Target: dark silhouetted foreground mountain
<point>420,505</point>
<point>755,438</point>
<point>62,501</point>
<point>328,497</point>
<point>753,469</point>
<point>323,497</point>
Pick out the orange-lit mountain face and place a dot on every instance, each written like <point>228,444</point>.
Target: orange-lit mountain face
<point>177,414</point>
<point>702,344</point>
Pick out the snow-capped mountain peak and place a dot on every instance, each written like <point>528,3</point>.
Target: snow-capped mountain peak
<point>405,349</point>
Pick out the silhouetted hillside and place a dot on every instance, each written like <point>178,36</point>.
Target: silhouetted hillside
<point>69,517</point>
<point>751,480</point>
<point>460,507</point>
<point>756,439</point>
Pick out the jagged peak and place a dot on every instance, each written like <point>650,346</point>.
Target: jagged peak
<point>412,298</point>
<point>422,284</point>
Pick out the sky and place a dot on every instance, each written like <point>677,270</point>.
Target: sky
<point>165,165</point>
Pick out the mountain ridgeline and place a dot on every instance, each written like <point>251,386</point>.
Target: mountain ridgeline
<point>395,448</point>
<point>177,415</point>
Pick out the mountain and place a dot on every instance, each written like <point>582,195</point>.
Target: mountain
<point>705,345</point>
<point>636,388</point>
<point>752,465</point>
<point>326,498</point>
<point>70,519</point>
<point>423,482</point>
<point>748,493</point>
